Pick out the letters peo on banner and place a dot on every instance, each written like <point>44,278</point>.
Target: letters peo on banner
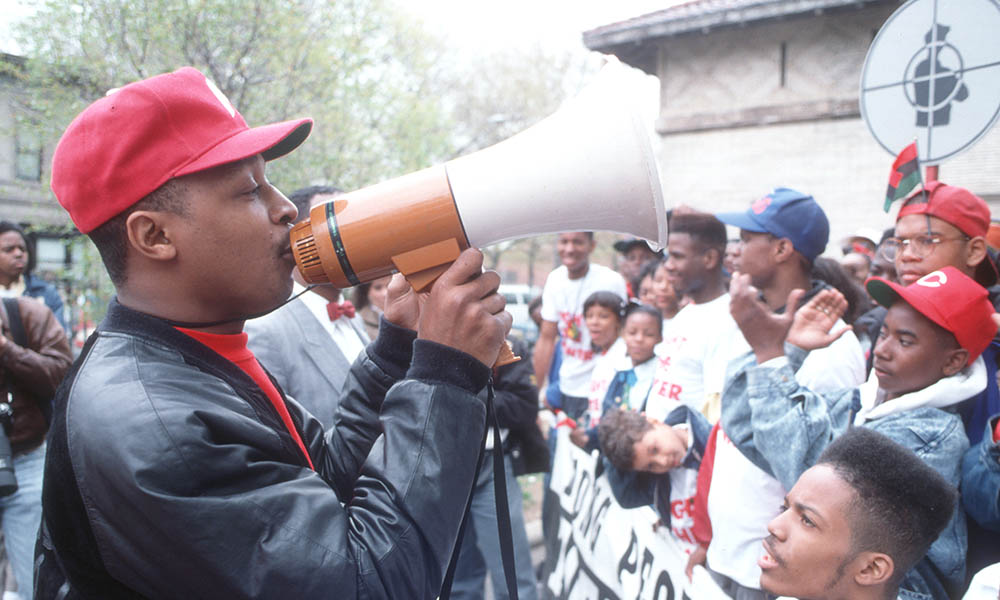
<point>606,552</point>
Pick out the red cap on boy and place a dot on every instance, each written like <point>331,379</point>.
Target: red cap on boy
<point>950,299</point>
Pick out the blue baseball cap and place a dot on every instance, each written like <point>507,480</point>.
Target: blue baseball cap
<point>786,213</point>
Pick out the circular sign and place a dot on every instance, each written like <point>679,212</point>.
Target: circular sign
<point>933,74</point>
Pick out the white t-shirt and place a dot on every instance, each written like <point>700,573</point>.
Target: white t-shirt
<point>347,336</point>
<point>739,526</point>
<point>562,303</point>
<point>605,367</point>
<point>696,349</point>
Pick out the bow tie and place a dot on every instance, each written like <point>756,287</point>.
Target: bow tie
<point>337,310</point>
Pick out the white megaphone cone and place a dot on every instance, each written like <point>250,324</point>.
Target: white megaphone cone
<point>588,167</point>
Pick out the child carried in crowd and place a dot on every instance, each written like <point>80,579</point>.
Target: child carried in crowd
<point>655,463</point>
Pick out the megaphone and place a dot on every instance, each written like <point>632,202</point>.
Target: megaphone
<point>589,166</point>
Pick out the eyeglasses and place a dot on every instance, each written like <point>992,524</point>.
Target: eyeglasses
<point>921,246</point>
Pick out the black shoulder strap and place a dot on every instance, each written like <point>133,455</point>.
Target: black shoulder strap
<point>15,324</point>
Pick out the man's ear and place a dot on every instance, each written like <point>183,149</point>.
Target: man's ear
<point>147,234</point>
<point>784,250</point>
<point>955,361</point>
<point>975,251</point>
<point>876,569</point>
<point>712,258</point>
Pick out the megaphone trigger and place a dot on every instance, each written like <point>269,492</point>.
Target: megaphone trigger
<point>424,265</point>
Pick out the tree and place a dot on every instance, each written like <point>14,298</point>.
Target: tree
<point>362,72</point>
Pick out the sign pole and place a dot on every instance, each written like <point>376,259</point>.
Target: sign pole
<point>931,173</point>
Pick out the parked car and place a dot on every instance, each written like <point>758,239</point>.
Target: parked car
<point>518,296</point>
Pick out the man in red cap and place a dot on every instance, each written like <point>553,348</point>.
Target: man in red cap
<point>176,467</point>
<point>925,364</point>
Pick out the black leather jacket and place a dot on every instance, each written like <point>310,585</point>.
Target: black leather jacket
<point>170,475</point>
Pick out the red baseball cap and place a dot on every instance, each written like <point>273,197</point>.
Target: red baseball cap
<point>959,207</point>
<point>950,299</point>
<point>127,144</point>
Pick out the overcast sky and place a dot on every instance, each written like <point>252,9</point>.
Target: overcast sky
<point>477,23</point>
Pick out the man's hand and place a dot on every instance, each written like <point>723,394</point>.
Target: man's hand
<point>764,330</point>
<point>697,557</point>
<point>579,437</point>
<point>464,311</point>
<point>402,303</point>
<point>813,322</point>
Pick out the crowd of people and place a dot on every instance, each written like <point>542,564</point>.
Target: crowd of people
<point>716,415</point>
<point>803,426</point>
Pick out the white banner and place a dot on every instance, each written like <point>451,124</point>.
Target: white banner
<point>606,552</point>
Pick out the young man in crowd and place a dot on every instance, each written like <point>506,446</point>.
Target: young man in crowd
<point>944,225</point>
<point>310,343</point>
<point>856,522</point>
<point>702,338</point>
<point>175,467</point>
<point>925,365</point>
<point>566,289</point>
<point>635,254</point>
<point>781,235</point>
<point>15,272</point>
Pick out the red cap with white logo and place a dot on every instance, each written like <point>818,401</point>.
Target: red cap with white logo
<point>950,299</point>
<point>127,144</point>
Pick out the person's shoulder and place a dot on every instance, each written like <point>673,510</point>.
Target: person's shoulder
<point>607,273</point>
<point>125,378</point>
<point>33,308</point>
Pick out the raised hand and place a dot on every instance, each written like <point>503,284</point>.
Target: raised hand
<point>811,327</point>
<point>764,330</point>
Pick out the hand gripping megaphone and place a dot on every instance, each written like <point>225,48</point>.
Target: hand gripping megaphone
<point>589,166</point>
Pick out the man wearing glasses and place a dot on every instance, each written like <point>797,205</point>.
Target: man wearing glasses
<point>939,226</point>
<point>943,225</point>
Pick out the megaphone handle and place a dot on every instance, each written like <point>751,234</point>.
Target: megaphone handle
<point>422,281</point>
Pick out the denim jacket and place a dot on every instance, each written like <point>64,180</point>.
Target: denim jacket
<point>783,427</point>
<point>634,489</point>
<point>981,480</point>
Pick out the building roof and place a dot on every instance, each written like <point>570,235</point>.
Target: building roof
<point>627,39</point>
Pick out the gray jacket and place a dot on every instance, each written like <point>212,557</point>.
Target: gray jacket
<point>783,427</point>
<point>170,475</point>
<point>302,357</point>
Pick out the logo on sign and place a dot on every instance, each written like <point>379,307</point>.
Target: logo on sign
<point>931,75</point>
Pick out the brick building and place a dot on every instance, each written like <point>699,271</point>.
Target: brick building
<point>759,93</point>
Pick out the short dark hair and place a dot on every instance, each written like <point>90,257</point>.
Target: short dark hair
<point>29,242</point>
<point>111,238</point>
<point>619,431</point>
<point>901,504</point>
<point>608,300</point>
<point>645,309</point>
<point>832,273</point>
<point>648,270</point>
<point>303,196</point>
<point>704,228</point>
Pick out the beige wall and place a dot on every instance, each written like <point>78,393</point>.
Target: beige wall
<point>729,132</point>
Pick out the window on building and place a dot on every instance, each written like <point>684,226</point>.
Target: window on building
<point>28,155</point>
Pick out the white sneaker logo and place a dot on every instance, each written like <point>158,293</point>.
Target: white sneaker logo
<point>933,280</point>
